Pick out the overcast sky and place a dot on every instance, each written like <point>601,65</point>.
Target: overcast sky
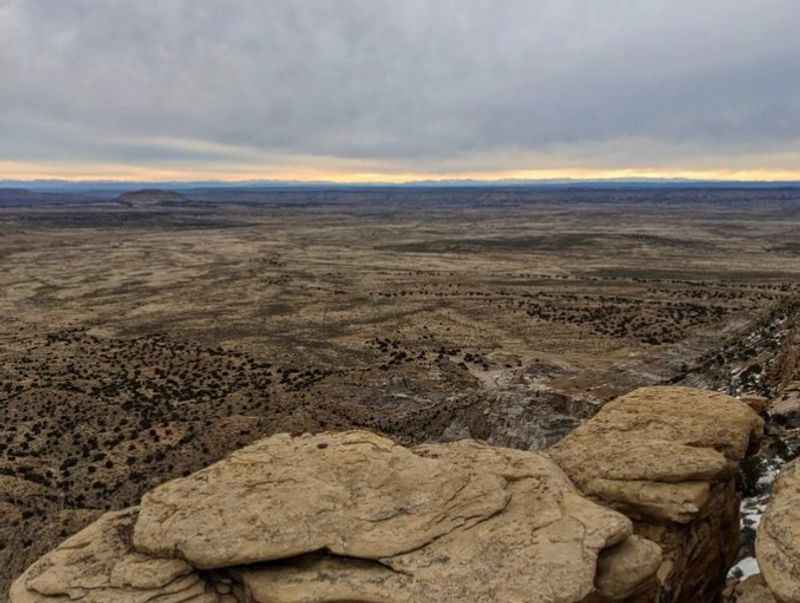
<point>395,89</point>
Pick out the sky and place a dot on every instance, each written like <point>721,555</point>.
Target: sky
<point>389,90</point>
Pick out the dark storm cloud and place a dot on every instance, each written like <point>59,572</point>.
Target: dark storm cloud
<point>438,83</point>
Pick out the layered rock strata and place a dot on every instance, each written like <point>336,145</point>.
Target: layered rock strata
<point>666,457</point>
<point>354,517</point>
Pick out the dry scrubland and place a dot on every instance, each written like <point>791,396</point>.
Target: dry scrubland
<point>145,337</point>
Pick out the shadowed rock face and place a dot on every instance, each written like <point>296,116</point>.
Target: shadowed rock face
<point>666,457</point>
<point>354,517</point>
<point>778,542</point>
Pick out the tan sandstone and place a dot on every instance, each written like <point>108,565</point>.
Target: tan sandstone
<point>98,565</point>
<point>778,542</point>
<point>666,457</point>
<point>355,517</point>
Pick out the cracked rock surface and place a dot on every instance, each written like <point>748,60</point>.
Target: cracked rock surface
<point>656,452</point>
<point>778,542</point>
<point>354,517</point>
<point>353,493</point>
<point>667,457</point>
<point>98,565</point>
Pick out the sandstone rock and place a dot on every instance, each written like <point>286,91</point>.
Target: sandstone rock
<point>24,541</point>
<point>698,554</point>
<point>352,493</point>
<point>354,517</point>
<point>666,457</point>
<point>98,565</point>
<point>627,567</point>
<point>318,577</point>
<point>778,541</point>
<point>639,499</point>
<point>543,546</point>
<point>655,436</point>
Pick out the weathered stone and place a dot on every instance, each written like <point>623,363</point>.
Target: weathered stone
<point>545,543</point>
<point>98,565</point>
<point>543,546</point>
<point>666,457</point>
<point>354,493</point>
<point>667,436</point>
<point>778,541</point>
<point>507,525</point>
<point>623,570</point>
<point>662,501</point>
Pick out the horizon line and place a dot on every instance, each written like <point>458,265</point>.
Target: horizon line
<point>17,182</point>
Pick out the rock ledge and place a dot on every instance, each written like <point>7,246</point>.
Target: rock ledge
<point>354,517</point>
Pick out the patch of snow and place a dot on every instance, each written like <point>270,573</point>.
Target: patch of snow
<point>751,512</point>
<point>744,569</point>
<point>769,477</point>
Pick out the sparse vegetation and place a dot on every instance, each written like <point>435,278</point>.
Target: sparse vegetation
<point>141,340</point>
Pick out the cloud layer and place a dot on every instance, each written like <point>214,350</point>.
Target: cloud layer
<point>413,87</point>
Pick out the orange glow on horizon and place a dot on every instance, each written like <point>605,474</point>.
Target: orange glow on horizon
<point>10,170</point>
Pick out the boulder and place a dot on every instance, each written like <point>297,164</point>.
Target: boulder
<point>623,570</point>
<point>778,540</point>
<point>354,493</point>
<point>354,517</point>
<point>98,565</point>
<point>667,457</point>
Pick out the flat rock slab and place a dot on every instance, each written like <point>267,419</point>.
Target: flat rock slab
<point>655,451</point>
<point>543,546</point>
<point>353,493</point>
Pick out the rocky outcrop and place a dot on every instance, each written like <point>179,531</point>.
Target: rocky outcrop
<point>666,457</point>
<point>778,542</point>
<point>354,517</point>
<point>98,564</point>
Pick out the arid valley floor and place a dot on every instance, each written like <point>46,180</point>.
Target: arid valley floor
<point>147,335</point>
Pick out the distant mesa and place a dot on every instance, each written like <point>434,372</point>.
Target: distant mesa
<point>151,198</point>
